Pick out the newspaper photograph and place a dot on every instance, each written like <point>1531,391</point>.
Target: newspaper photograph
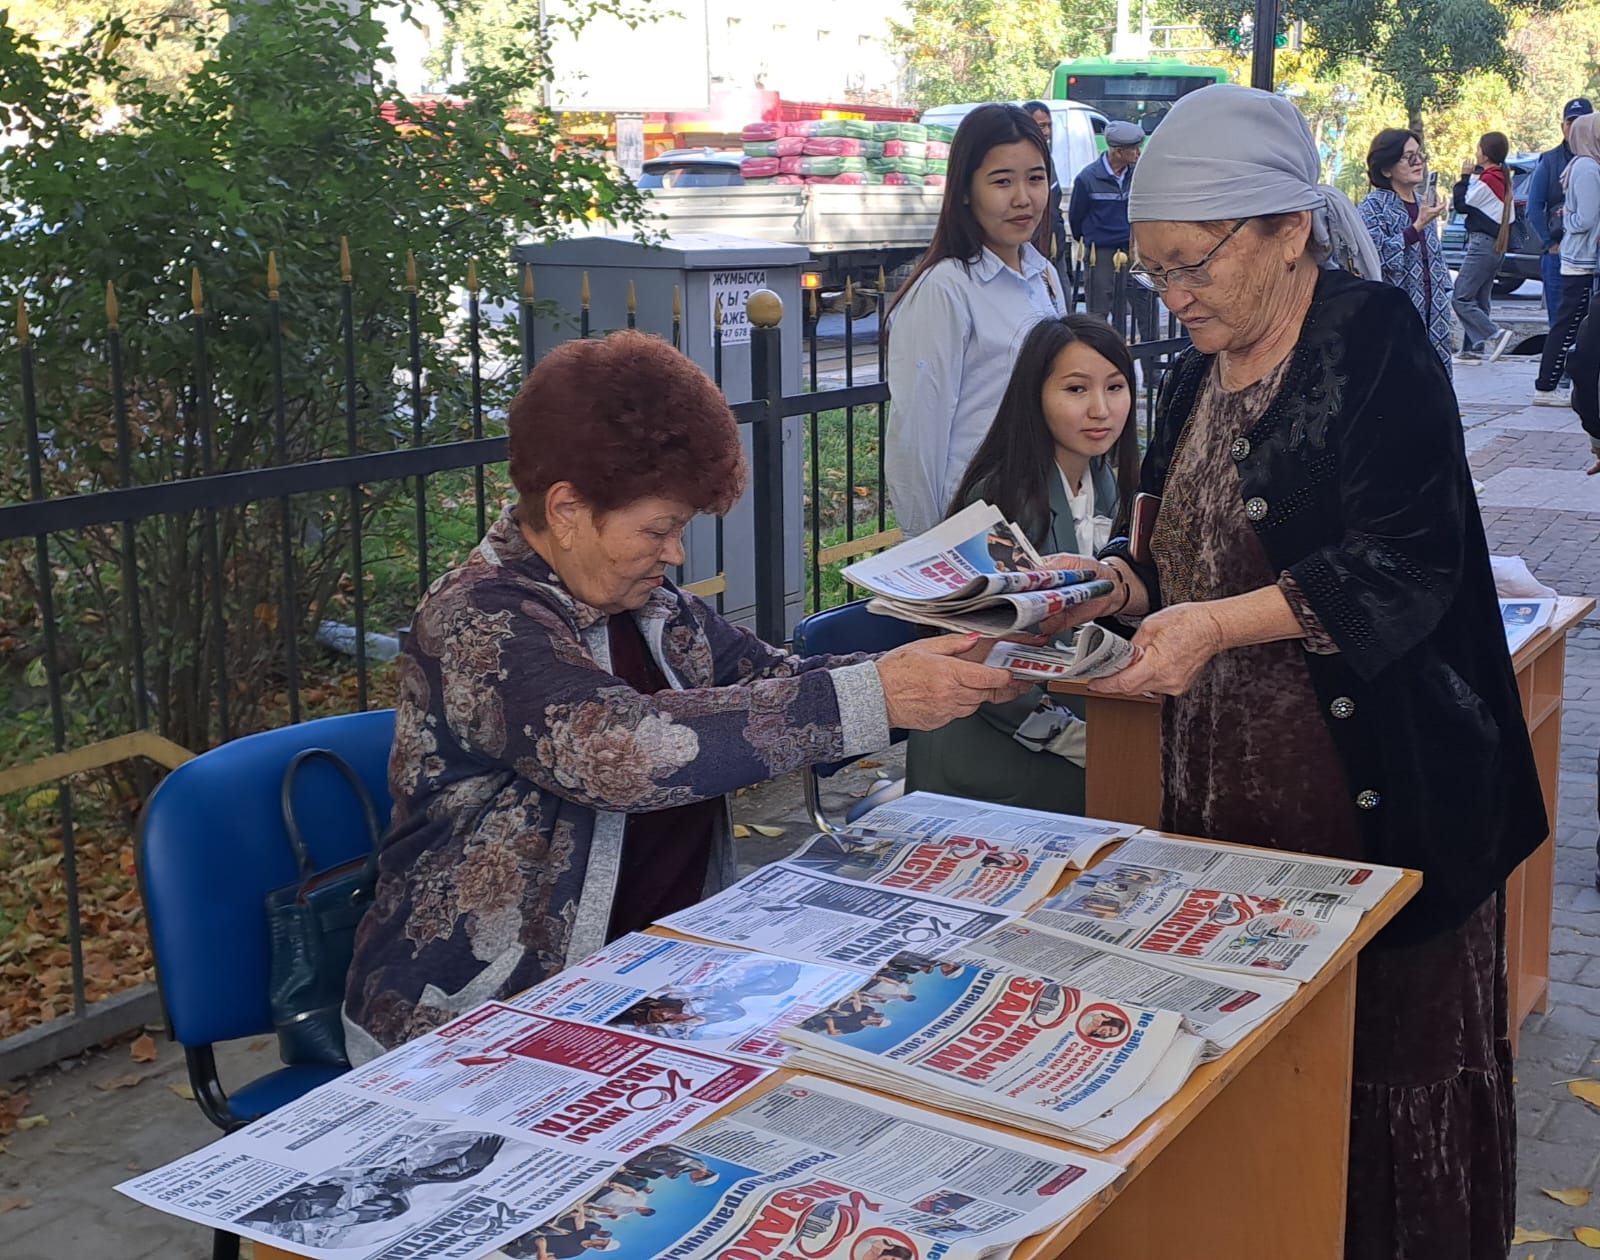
<point>1020,1048</point>
<point>813,1168</point>
<point>593,1089</point>
<point>1217,1008</point>
<point>726,1001</point>
<point>1154,911</point>
<point>931,816</point>
<point>815,917</point>
<point>1524,618</point>
<point>963,867</point>
<point>338,1176</point>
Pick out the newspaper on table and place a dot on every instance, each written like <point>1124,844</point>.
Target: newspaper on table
<point>931,816</point>
<point>1524,618</point>
<point>448,1146</point>
<point>975,571</point>
<point>1091,652</point>
<point>727,1001</point>
<point>1217,906</point>
<point>814,1168</point>
<point>1213,1005</point>
<point>1010,1047</point>
<point>963,867</point>
<point>813,917</point>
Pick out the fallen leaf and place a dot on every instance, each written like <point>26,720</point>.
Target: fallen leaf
<point>33,1122</point>
<point>740,831</point>
<point>865,764</point>
<point>1532,1236</point>
<point>1576,1197</point>
<point>12,1205</point>
<point>260,1043</point>
<point>771,833</point>
<point>1588,1236</point>
<point>1589,1091</point>
<point>119,1082</point>
<point>143,1050</point>
<point>183,1090</point>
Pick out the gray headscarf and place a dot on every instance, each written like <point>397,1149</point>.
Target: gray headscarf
<point>1233,152</point>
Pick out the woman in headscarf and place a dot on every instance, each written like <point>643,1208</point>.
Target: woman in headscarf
<point>1399,218</point>
<point>1580,260</point>
<point>1317,603</point>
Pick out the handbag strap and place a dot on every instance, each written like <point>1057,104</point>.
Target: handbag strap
<point>297,841</point>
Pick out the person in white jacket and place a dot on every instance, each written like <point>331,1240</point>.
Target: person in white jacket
<point>1580,246</point>
<point>955,328</point>
<point>1482,195</point>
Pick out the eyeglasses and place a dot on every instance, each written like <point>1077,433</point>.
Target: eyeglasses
<point>1416,157</point>
<point>1194,276</point>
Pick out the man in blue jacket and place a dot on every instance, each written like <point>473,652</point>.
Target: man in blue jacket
<point>1097,216</point>
<point>1545,199</point>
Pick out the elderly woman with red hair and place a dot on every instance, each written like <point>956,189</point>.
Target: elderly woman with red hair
<point>570,722</point>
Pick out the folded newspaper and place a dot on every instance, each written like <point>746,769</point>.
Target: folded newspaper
<point>450,1145</point>
<point>975,571</point>
<point>814,1168</point>
<point>1010,1047</point>
<point>931,816</point>
<point>1219,906</point>
<point>1091,652</point>
<point>965,868</point>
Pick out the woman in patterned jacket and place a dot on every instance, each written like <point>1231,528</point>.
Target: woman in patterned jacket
<point>1399,215</point>
<point>570,722</point>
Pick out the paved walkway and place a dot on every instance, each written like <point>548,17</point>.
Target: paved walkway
<point>110,1116</point>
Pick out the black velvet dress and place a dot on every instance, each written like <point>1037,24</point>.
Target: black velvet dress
<point>1248,757</point>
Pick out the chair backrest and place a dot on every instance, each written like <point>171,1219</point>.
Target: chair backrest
<point>213,844</point>
<point>851,628</point>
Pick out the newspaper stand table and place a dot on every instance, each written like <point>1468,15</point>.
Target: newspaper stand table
<point>1255,1144</point>
<point>1124,783</point>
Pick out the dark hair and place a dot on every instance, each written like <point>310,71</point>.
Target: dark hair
<point>1033,107</point>
<point>1013,466</point>
<point>1495,146</point>
<point>622,419</point>
<point>957,234</point>
<point>1386,149</point>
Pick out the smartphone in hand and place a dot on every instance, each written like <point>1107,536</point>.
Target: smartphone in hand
<point>1433,187</point>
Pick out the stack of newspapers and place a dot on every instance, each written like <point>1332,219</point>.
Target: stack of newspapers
<point>973,572</point>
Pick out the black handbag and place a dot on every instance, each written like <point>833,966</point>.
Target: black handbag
<point>312,926</point>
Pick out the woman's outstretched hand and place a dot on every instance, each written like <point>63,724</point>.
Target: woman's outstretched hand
<point>1172,646</point>
<point>931,682</point>
<point>1094,609</point>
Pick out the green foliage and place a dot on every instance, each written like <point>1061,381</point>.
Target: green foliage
<point>986,50</point>
<point>281,140</point>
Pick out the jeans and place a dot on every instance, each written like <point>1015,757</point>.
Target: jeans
<point>1550,277</point>
<point>1558,341</point>
<point>1474,283</point>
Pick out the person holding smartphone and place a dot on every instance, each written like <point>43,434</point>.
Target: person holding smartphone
<point>1399,213</point>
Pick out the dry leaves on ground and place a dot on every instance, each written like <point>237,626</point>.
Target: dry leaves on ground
<point>1575,1197</point>
<point>12,1205</point>
<point>1588,1236</point>
<point>743,831</point>
<point>1589,1091</point>
<point>183,1090</point>
<point>33,1122</point>
<point>1533,1236</point>
<point>143,1049</point>
<point>118,1082</point>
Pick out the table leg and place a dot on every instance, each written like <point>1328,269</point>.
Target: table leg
<point>1123,774</point>
<point>1267,1159</point>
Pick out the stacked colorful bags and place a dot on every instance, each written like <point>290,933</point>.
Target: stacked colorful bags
<point>845,151</point>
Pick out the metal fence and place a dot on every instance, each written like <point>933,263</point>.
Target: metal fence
<point>282,565</point>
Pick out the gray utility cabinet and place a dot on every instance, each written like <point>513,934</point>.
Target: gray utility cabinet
<point>702,268</point>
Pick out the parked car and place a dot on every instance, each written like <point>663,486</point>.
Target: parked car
<point>693,168</point>
<point>1521,261</point>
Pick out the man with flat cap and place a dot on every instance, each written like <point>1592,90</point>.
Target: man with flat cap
<point>1546,198</point>
<point>1097,216</point>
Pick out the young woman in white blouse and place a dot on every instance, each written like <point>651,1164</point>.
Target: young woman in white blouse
<point>955,328</point>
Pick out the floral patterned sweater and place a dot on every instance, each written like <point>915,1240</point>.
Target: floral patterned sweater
<point>517,758</point>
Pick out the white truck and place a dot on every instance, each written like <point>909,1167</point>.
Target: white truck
<point>853,230</point>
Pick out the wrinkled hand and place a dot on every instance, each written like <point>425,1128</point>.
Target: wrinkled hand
<point>1081,614</point>
<point>934,681</point>
<point>1173,646</point>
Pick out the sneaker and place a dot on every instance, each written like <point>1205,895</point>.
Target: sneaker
<point>1497,346</point>
<point>1551,398</point>
<point>1469,358</point>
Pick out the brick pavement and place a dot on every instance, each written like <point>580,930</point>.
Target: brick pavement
<point>1532,506</point>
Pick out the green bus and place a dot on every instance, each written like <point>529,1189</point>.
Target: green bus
<point>1133,91</point>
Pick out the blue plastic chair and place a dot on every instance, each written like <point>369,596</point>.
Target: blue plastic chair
<point>838,632</point>
<point>212,846</point>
